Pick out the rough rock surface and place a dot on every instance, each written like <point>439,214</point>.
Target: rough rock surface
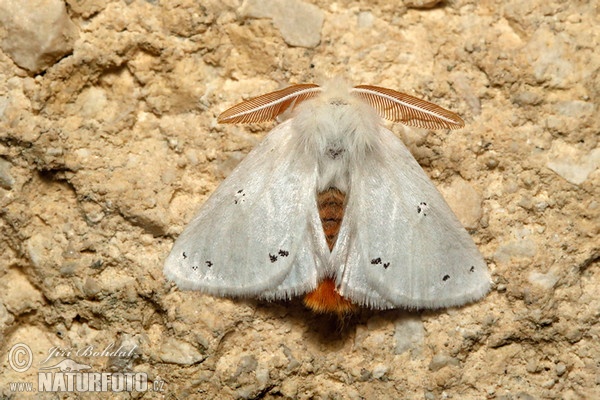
<point>106,156</point>
<point>37,33</point>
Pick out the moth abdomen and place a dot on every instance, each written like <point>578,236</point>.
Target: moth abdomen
<point>326,298</point>
<point>331,211</point>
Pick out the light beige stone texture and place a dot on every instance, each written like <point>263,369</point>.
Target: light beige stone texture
<point>107,154</point>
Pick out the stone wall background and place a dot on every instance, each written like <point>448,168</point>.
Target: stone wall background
<point>109,144</point>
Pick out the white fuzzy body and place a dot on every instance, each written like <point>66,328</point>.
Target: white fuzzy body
<point>338,130</point>
<point>259,234</point>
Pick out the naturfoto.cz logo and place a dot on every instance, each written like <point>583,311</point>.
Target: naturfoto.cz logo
<point>68,375</point>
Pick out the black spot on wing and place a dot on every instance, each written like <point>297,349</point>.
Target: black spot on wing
<point>239,197</point>
<point>472,269</point>
<point>209,263</point>
<point>184,255</point>
<point>446,277</point>
<point>422,208</point>
<point>378,261</point>
<point>283,253</point>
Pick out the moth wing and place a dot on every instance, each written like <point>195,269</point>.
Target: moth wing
<point>255,235</point>
<point>400,244</point>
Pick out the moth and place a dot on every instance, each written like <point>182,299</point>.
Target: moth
<point>331,205</point>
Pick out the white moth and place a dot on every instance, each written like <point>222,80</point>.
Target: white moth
<point>331,204</point>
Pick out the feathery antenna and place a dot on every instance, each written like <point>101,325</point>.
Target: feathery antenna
<point>409,110</point>
<point>268,106</point>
